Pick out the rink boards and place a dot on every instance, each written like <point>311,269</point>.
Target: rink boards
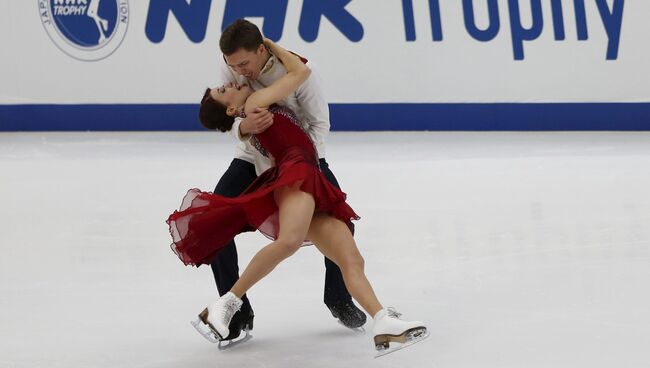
<point>407,65</point>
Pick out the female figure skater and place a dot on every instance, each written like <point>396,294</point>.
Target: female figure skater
<point>290,202</point>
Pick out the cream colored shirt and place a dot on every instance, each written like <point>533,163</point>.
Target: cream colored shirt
<point>307,101</point>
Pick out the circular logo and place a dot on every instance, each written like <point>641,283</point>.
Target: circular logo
<point>87,30</point>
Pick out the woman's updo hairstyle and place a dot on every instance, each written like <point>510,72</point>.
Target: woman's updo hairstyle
<point>212,114</point>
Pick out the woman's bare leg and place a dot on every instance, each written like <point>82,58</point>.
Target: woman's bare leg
<point>296,209</point>
<point>333,238</point>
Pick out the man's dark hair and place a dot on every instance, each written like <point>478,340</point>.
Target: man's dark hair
<point>212,114</point>
<point>241,34</point>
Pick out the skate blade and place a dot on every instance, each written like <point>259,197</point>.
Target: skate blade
<point>359,330</point>
<point>205,331</point>
<point>396,343</point>
<point>205,328</point>
<point>229,344</point>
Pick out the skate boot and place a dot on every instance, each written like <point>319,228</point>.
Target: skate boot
<point>348,315</point>
<point>392,334</point>
<point>241,321</point>
<point>216,317</point>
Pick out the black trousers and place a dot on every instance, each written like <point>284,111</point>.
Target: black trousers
<point>225,266</point>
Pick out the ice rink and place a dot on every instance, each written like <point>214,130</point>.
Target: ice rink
<point>517,249</point>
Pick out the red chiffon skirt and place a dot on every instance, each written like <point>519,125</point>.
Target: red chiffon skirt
<point>206,222</point>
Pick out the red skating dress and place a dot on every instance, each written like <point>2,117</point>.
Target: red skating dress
<point>206,222</point>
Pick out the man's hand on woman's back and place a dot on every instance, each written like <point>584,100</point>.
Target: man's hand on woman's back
<point>256,122</point>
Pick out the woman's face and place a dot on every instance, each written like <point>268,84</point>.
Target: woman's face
<point>231,95</point>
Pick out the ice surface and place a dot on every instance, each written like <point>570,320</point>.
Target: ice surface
<point>518,250</point>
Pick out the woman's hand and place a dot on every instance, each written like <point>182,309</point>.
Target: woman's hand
<point>269,43</point>
<point>275,49</point>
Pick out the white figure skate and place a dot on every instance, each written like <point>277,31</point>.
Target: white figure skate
<point>392,334</point>
<point>214,320</point>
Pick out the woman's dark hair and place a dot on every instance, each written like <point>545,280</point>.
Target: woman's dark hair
<point>241,34</point>
<point>212,114</point>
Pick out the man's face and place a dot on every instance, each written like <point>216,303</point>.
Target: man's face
<point>247,63</point>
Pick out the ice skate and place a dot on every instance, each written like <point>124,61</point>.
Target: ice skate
<point>392,334</point>
<point>214,320</point>
<point>242,321</point>
<point>348,315</point>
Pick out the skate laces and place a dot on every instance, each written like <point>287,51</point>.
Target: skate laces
<point>231,307</point>
<point>393,313</point>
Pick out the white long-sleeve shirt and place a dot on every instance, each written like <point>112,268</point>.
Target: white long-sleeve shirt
<point>307,101</point>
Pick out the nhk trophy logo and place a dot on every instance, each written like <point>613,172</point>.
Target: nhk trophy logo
<point>87,30</point>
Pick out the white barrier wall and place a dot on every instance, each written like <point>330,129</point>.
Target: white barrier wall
<point>386,52</point>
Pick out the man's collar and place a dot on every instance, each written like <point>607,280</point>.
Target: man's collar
<point>269,64</point>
